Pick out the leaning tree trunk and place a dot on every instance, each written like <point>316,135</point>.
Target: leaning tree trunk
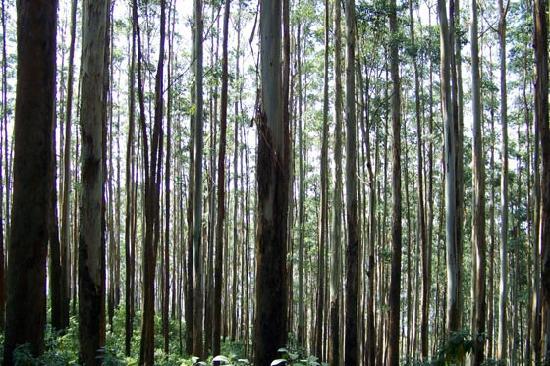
<point>33,130</point>
<point>270,325</point>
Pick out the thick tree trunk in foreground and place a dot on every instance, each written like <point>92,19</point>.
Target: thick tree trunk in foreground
<point>26,277</point>
<point>270,325</point>
<point>90,251</point>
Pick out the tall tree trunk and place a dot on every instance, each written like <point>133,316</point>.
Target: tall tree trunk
<point>541,118</point>
<point>270,325</point>
<point>3,122</point>
<point>130,187</point>
<point>478,214</point>
<point>449,121</point>
<point>91,268</point>
<point>502,318</point>
<point>33,132</point>
<point>424,245</point>
<point>395,284</point>
<point>197,191</point>
<point>351,347</point>
<point>167,197</point>
<point>323,227</point>
<point>63,314</point>
<point>152,166</point>
<point>221,186</point>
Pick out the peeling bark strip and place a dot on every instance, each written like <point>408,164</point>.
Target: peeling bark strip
<point>35,111</point>
<point>270,328</point>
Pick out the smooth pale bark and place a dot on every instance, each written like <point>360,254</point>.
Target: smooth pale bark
<point>270,324</point>
<point>351,344</point>
<point>221,187</point>
<point>335,354</point>
<point>478,214</point>
<point>33,130</point>
<point>449,122</point>
<point>91,261</point>
<point>395,284</point>
<point>197,191</point>
<point>503,287</point>
<point>541,118</point>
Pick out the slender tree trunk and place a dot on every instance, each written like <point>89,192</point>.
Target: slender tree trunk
<point>541,117</point>
<point>221,187</point>
<point>65,207</point>
<point>35,101</point>
<point>502,317</point>
<point>323,227</point>
<point>4,122</point>
<point>130,187</point>
<point>478,214</point>
<point>421,214</point>
<point>395,284</point>
<point>167,197</point>
<point>197,191</point>
<point>152,165</point>
<point>449,121</point>
<point>351,347</point>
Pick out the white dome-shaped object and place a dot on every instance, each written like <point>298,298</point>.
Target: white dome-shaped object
<point>279,362</point>
<point>220,360</point>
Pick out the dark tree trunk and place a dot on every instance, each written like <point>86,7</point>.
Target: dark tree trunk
<point>33,132</point>
<point>395,284</point>
<point>541,117</point>
<point>270,325</point>
<point>152,166</point>
<point>221,188</point>
<point>351,346</point>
